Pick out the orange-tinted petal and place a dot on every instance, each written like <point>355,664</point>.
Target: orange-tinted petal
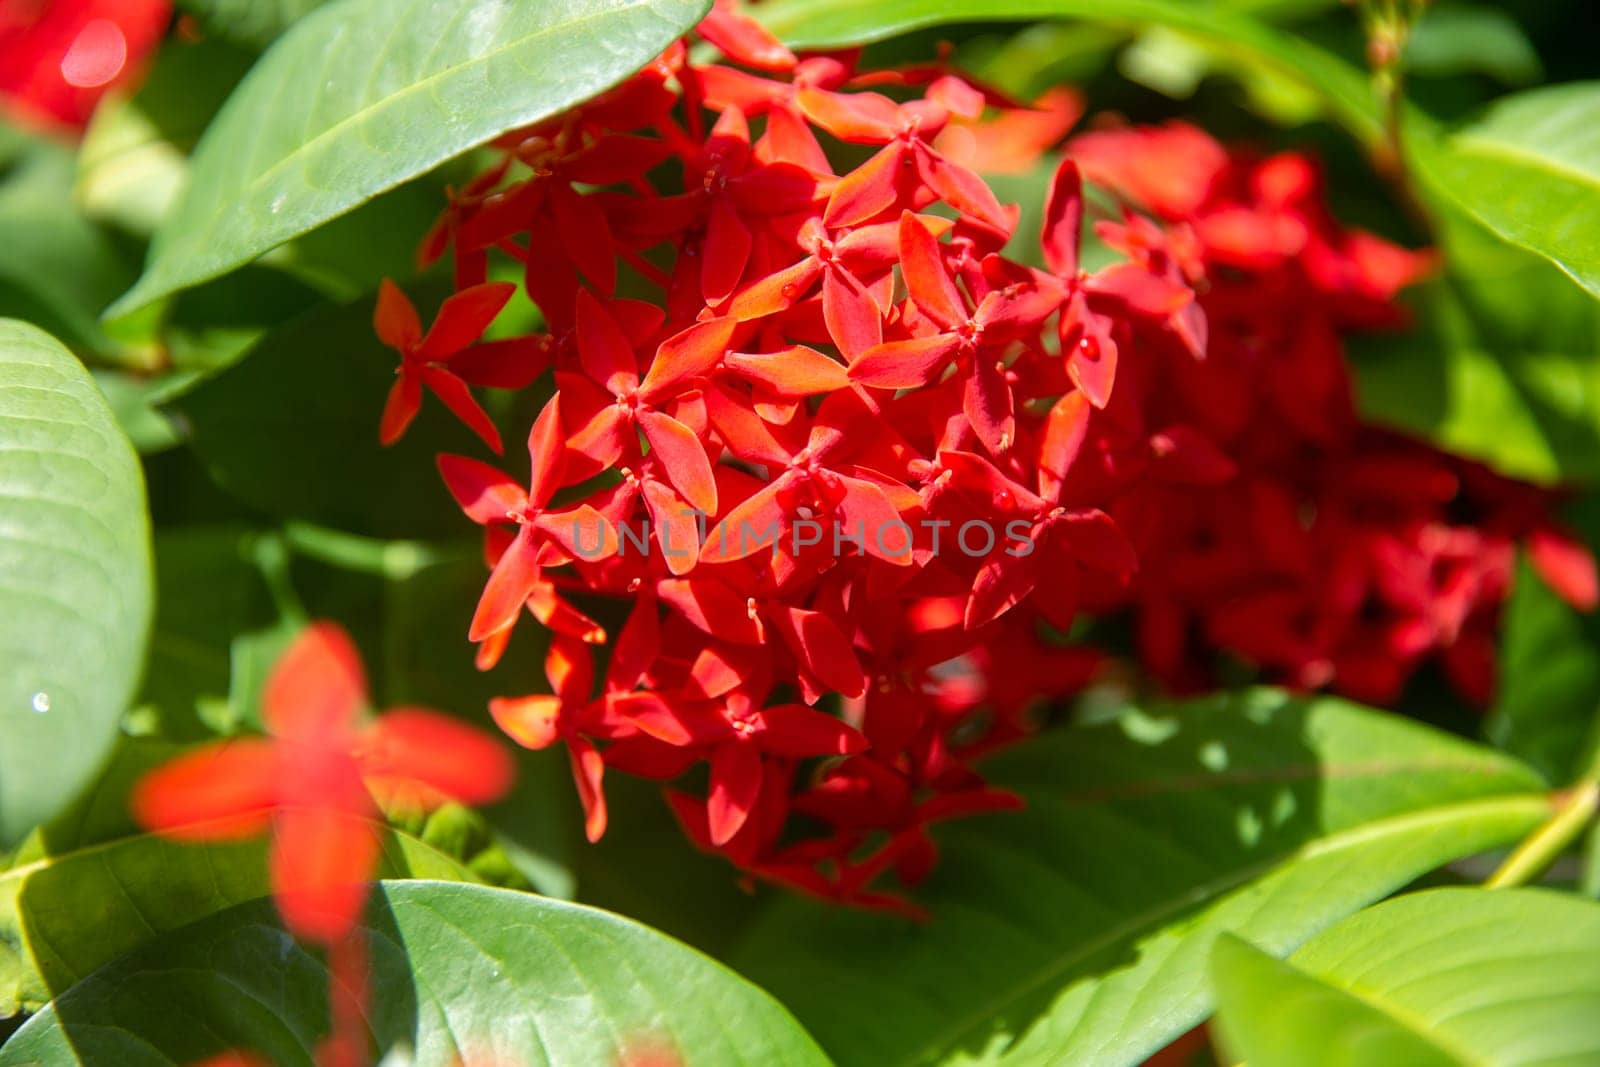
<point>447,756</point>
<point>323,861</point>
<point>224,791</point>
<point>317,686</point>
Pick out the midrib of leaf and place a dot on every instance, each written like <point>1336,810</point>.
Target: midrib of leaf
<point>383,104</point>
<point>1482,145</point>
<point>1403,1019</point>
<point>1535,805</point>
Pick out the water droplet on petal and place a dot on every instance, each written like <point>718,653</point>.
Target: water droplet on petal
<point>41,702</point>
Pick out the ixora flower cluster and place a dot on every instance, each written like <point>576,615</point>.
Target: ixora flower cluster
<point>841,448</point>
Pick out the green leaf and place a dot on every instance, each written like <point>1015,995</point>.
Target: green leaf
<point>1453,977</point>
<point>255,23</point>
<point>292,429</point>
<point>821,24</point>
<point>59,269</point>
<point>1530,171</point>
<point>1077,930</point>
<point>91,887</point>
<point>362,95</point>
<point>1461,38</point>
<point>74,577</point>
<point>463,972</point>
<point>1548,707</point>
<point>1502,364</point>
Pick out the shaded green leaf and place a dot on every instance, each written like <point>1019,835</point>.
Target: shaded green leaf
<point>1548,707</point>
<point>1077,931</point>
<point>256,23</point>
<point>363,95</point>
<point>91,887</point>
<point>1462,38</point>
<point>1464,977</point>
<point>292,429</point>
<point>466,972</point>
<point>1530,171</point>
<point>74,577</point>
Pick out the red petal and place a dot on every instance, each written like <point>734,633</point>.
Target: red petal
<point>531,721</point>
<point>1063,221</point>
<point>638,646</point>
<point>582,531</point>
<point>512,363</point>
<point>459,399</point>
<point>735,786</point>
<point>988,405</point>
<point>776,292</point>
<point>585,235</point>
<point>1095,538</point>
<point>604,349</point>
<point>1001,584</point>
<point>854,322</point>
<point>395,318</point>
<point>323,859</point>
<point>420,746</point>
<point>743,39</point>
<point>588,774</point>
<point>508,587</point>
<point>402,405</point>
<point>687,354</point>
<point>869,190</point>
<point>1567,566</point>
<point>798,731</point>
<point>463,318</point>
<point>317,686</point>
<point>1184,454</point>
<point>962,190</point>
<point>1064,431</point>
<point>676,526</point>
<point>790,372</point>
<point>546,453</point>
<point>712,607</point>
<point>905,364</point>
<point>724,252</point>
<point>866,510</point>
<point>752,526</point>
<point>556,614</point>
<point>859,118</point>
<point>821,648</point>
<point>683,457</point>
<point>485,493</point>
<point>927,280</point>
<point>224,791</point>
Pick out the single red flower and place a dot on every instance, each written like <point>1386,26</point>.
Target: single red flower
<point>444,359</point>
<point>308,780</point>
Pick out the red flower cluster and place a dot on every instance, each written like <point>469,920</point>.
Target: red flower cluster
<point>58,57</point>
<point>1335,554</point>
<point>857,469</point>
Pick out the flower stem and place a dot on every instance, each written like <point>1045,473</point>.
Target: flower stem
<point>1575,809</point>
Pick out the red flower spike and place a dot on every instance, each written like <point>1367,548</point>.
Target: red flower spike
<point>308,781</point>
<point>425,360</point>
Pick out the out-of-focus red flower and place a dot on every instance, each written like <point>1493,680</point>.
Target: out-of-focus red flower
<point>307,782</point>
<point>58,57</point>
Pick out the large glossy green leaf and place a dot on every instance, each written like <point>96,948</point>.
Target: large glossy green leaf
<point>74,577</point>
<point>91,887</point>
<point>1530,171</point>
<point>1449,977</point>
<point>362,95</point>
<point>462,973</point>
<point>1077,931</point>
<point>1219,25</point>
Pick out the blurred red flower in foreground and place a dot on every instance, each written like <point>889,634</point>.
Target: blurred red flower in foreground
<point>58,57</point>
<point>308,781</point>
